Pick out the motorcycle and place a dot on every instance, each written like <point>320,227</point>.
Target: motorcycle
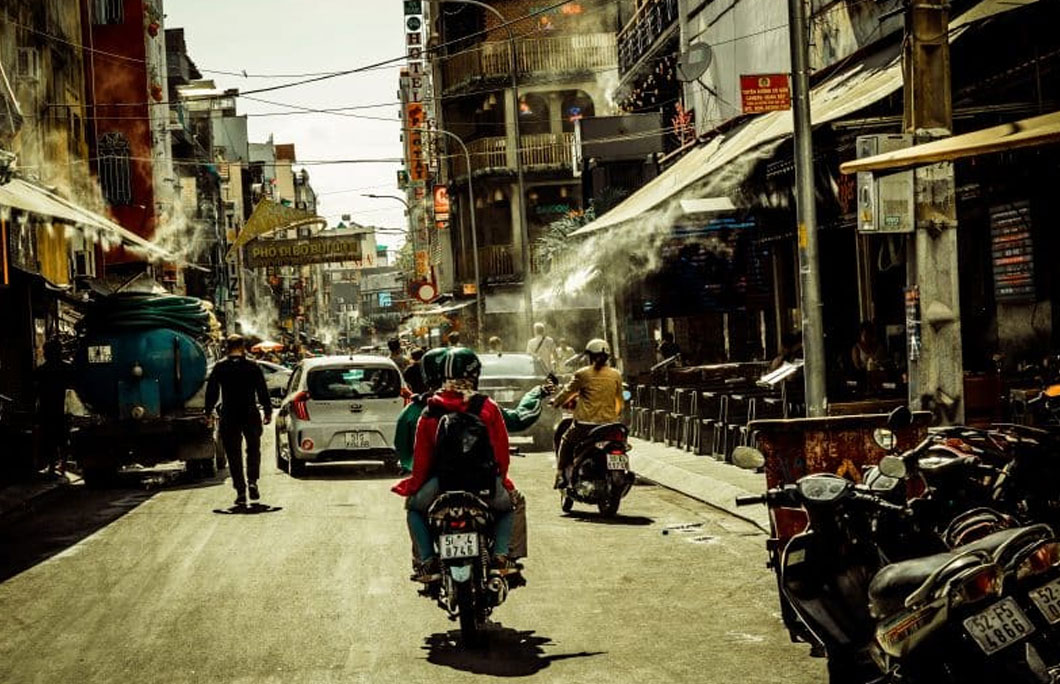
<point>462,526</point>
<point>600,473</point>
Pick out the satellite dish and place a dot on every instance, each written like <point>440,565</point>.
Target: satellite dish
<point>695,62</point>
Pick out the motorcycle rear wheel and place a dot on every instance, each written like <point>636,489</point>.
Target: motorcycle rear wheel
<point>469,627</point>
<point>608,505</point>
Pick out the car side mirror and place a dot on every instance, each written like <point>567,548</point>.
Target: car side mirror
<point>748,458</point>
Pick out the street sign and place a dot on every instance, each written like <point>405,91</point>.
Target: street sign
<point>470,289</point>
<point>765,93</point>
<point>315,250</point>
<point>423,264</point>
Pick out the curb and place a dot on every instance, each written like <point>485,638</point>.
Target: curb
<point>703,488</point>
<point>22,497</point>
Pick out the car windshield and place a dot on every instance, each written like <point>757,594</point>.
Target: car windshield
<point>511,366</point>
<point>353,382</point>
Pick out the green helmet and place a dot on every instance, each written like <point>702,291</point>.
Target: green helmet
<point>432,363</point>
<point>461,364</point>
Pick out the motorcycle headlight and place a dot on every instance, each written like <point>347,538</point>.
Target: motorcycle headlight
<point>1042,559</point>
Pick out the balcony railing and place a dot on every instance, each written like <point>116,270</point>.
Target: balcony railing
<point>639,35</point>
<point>489,62</point>
<point>497,261</point>
<point>540,152</point>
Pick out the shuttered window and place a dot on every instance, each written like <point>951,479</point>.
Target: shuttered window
<point>114,173</point>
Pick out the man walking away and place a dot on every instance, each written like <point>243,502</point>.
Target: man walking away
<point>542,346</point>
<point>396,356</point>
<point>414,372</point>
<point>53,378</point>
<point>241,386</point>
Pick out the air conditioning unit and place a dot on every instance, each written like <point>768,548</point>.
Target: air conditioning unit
<point>885,199</point>
<point>85,263</point>
<point>27,66</point>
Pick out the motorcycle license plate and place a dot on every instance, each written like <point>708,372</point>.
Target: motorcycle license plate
<point>358,440</point>
<point>464,545</point>
<point>618,461</point>
<point>1047,598</point>
<point>1000,625</point>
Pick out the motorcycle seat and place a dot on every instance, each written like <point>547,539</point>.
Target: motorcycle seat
<point>992,542</point>
<point>606,432</point>
<point>458,503</point>
<point>892,585</point>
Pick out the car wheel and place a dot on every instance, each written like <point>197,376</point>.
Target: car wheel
<point>295,467</point>
<point>280,464</point>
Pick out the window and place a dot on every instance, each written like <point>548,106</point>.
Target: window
<point>353,382</point>
<point>109,12</point>
<point>114,177</point>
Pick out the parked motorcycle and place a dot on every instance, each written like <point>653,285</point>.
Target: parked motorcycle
<point>600,474</point>
<point>462,526</point>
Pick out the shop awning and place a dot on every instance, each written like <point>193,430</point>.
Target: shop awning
<point>1038,130</point>
<point>726,161</point>
<point>442,310</point>
<point>26,196</point>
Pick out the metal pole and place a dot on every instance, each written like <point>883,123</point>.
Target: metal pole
<point>524,230</point>
<point>812,323</point>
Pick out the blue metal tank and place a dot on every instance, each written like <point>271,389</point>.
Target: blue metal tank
<point>139,373</point>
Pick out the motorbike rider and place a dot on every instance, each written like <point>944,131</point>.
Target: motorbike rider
<point>598,389</point>
<point>405,433</point>
<point>460,371</point>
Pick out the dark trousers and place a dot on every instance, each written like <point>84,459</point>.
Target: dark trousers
<point>570,441</point>
<point>232,436</point>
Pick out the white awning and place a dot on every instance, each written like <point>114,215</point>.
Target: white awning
<point>1038,130</point>
<point>727,160</point>
<point>26,196</point>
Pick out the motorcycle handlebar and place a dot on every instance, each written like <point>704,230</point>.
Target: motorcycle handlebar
<point>751,500</point>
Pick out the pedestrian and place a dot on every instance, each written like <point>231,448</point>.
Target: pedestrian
<point>668,349</point>
<point>414,372</point>
<point>52,379</point>
<point>396,355</point>
<point>542,346</point>
<point>240,384</point>
<point>495,345</point>
<point>560,358</point>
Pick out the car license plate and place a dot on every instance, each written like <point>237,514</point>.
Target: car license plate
<point>1047,598</point>
<point>1000,625</point>
<point>358,440</point>
<point>463,545</point>
<point>618,461</point>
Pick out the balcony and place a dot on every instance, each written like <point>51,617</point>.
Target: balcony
<point>540,152</point>
<point>645,31</point>
<point>497,263</point>
<point>488,63</point>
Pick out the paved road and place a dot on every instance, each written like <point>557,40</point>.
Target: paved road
<point>154,586</point>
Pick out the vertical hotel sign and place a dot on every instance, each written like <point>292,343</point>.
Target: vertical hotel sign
<point>415,122</point>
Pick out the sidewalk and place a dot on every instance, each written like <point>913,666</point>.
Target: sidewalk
<point>20,496</point>
<point>700,477</point>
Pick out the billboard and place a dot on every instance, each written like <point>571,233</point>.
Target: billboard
<point>303,251</point>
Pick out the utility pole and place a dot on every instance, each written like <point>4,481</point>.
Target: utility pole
<point>805,202</point>
<point>936,369</point>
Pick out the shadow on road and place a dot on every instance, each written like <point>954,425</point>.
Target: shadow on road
<point>252,509</point>
<point>505,653</point>
<point>348,471</point>
<point>596,518</point>
<point>41,531</point>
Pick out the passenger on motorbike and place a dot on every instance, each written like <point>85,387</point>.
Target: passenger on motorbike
<point>461,371</point>
<point>405,432</point>
<point>598,389</point>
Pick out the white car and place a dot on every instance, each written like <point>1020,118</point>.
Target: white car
<point>277,378</point>
<point>339,408</point>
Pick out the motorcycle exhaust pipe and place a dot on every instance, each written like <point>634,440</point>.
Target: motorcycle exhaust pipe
<point>499,587</point>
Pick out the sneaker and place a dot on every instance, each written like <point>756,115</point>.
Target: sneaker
<point>503,565</point>
<point>241,499</point>
<point>252,488</point>
<point>428,572</point>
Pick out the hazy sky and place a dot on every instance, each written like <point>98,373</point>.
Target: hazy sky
<point>310,36</point>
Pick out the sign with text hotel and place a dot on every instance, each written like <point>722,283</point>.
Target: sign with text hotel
<point>765,93</point>
<point>313,250</point>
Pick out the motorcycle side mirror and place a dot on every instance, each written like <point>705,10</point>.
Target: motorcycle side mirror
<point>900,418</point>
<point>893,466</point>
<point>884,438</point>
<point>748,458</point>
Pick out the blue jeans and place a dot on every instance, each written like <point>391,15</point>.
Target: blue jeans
<point>418,504</point>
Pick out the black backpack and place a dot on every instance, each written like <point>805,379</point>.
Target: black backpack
<point>463,456</point>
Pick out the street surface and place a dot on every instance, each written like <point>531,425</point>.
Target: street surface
<point>152,585</point>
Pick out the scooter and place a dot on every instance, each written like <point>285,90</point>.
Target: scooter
<point>600,474</point>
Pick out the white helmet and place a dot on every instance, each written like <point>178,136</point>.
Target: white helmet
<point>598,346</point>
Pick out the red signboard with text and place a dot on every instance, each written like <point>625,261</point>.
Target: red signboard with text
<point>765,93</point>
